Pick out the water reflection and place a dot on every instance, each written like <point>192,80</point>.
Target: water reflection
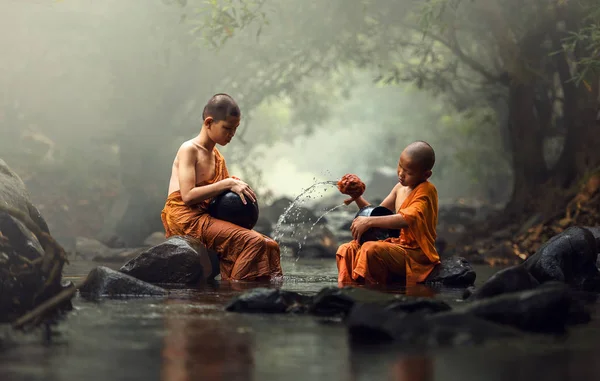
<point>412,368</point>
<point>199,347</point>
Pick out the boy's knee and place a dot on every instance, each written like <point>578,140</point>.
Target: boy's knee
<point>369,248</point>
<point>343,249</point>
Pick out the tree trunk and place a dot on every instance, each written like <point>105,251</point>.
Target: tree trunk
<point>526,143</point>
<point>145,169</point>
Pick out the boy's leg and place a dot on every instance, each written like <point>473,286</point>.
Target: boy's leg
<point>244,254</point>
<point>377,260</point>
<point>346,260</point>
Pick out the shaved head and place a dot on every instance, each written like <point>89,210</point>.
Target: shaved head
<point>422,154</point>
<point>221,106</point>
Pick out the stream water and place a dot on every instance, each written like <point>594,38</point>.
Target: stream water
<point>189,336</point>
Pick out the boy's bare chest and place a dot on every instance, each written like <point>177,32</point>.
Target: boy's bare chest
<point>402,194</point>
<point>205,168</point>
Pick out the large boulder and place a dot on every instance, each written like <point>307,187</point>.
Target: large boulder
<point>568,257</point>
<point>180,259</point>
<point>512,279</point>
<point>14,195</point>
<point>372,324</point>
<point>546,309</point>
<point>20,290</point>
<point>105,282</point>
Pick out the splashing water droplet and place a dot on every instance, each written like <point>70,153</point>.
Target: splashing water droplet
<point>277,233</point>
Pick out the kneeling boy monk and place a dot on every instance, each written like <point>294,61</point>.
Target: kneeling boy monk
<point>199,173</point>
<point>413,254</point>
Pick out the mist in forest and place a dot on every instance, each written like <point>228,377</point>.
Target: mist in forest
<point>97,97</point>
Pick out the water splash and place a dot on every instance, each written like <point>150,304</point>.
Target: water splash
<point>303,241</point>
<point>277,235</point>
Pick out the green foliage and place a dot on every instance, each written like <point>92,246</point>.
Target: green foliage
<point>218,21</point>
<point>586,40</point>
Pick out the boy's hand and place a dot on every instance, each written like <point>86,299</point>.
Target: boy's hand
<point>359,226</point>
<point>242,189</point>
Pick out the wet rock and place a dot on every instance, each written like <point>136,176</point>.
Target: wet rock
<point>19,290</point>
<point>370,324</point>
<point>178,260</point>
<point>454,272</point>
<point>595,230</point>
<point>544,310</point>
<point>14,194</point>
<point>333,301</point>
<point>105,282</point>
<point>21,240</point>
<point>268,300</point>
<point>512,279</point>
<point>568,257</point>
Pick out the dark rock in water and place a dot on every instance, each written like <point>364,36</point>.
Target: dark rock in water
<point>268,300</point>
<point>14,194</point>
<point>332,301</point>
<point>568,257</point>
<point>369,323</point>
<point>178,260</point>
<point>21,287</point>
<point>512,279</point>
<point>376,234</point>
<point>454,272</point>
<point>103,281</point>
<point>546,309</point>
<point>21,239</point>
<point>228,206</point>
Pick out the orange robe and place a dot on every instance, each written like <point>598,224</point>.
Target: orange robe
<point>412,255</point>
<point>244,254</point>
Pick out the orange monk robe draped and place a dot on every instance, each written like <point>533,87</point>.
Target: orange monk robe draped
<point>244,254</point>
<point>412,255</point>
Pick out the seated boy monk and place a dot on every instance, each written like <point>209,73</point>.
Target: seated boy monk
<point>199,173</point>
<point>413,254</point>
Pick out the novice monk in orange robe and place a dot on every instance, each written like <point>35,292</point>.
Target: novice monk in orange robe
<point>199,173</point>
<point>413,254</point>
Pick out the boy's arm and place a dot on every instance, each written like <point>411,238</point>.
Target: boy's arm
<point>390,201</point>
<point>361,202</point>
<point>190,193</point>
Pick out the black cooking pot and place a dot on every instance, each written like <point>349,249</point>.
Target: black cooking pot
<point>228,206</point>
<point>376,234</point>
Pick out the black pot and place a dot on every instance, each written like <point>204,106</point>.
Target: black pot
<point>228,207</point>
<point>376,234</point>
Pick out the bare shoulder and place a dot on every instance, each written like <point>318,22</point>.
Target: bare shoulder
<point>189,152</point>
<point>401,190</point>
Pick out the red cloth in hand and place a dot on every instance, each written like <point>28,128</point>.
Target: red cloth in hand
<point>352,186</point>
